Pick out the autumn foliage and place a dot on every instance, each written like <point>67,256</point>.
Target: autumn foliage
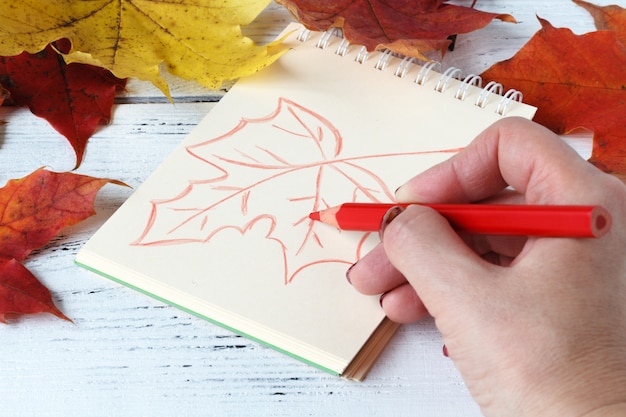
<point>577,82</point>
<point>78,98</point>
<point>33,210</point>
<point>198,40</point>
<point>67,61</point>
<point>410,28</point>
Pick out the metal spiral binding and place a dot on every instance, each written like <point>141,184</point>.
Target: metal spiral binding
<point>382,62</point>
<point>442,84</point>
<point>471,80</point>
<point>304,35</point>
<point>506,99</point>
<point>342,49</point>
<point>362,55</point>
<point>404,66</point>
<point>322,43</point>
<point>423,74</point>
<point>491,87</point>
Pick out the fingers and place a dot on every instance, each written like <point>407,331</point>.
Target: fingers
<point>435,261</point>
<point>374,274</point>
<point>419,246</point>
<point>516,314</point>
<point>498,250</point>
<point>403,305</point>
<point>513,152</point>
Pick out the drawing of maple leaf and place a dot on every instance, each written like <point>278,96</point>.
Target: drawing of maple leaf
<point>275,169</point>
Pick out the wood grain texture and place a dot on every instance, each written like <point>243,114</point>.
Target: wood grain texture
<point>128,355</point>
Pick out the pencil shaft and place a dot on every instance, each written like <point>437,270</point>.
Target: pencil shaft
<point>499,219</point>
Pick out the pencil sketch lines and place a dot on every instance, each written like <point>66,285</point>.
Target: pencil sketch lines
<point>271,172</point>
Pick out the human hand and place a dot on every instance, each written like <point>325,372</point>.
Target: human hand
<point>536,326</point>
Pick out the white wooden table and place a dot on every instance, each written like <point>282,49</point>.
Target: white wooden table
<point>129,355</point>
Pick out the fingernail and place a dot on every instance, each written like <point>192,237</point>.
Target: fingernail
<point>445,351</point>
<point>348,273</point>
<point>402,194</point>
<point>391,214</point>
<point>380,300</point>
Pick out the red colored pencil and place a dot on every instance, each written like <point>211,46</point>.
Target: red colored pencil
<point>490,219</point>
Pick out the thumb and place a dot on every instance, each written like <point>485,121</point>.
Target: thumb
<point>442,269</point>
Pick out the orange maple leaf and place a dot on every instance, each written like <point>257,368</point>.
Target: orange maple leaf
<point>576,81</point>
<point>33,210</point>
<point>607,17</point>
<point>410,28</point>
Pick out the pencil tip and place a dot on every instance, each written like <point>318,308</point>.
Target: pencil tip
<point>314,215</point>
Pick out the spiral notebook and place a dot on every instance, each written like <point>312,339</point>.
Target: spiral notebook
<point>221,228</point>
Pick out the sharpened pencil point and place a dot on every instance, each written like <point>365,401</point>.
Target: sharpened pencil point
<point>325,216</point>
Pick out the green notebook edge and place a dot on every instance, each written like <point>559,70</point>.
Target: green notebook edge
<point>210,320</point>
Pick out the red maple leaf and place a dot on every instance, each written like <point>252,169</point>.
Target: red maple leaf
<point>33,210</point>
<point>410,28</point>
<point>576,81</point>
<point>273,170</point>
<point>4,94</point>
<point>21,292</point>
<point>73,98</point>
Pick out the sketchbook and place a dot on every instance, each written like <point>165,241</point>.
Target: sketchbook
<point>221,228</point>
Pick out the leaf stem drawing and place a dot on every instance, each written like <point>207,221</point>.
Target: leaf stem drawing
<point>293,149</point>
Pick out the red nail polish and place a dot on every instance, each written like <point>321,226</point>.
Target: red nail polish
<point>391,214</point>
<point>445,351</point>
<point>348,273</point>
<point>380,300</point>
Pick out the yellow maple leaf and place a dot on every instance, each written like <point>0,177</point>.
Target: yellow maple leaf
<point>196,39</point>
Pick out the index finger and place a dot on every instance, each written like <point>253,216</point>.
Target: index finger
<point>512,152</point>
